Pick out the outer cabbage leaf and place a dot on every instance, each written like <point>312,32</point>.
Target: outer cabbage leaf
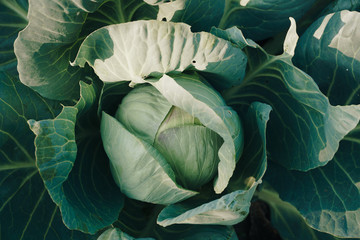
<point>260,19</point>
<point>136,50</point>
<point>117,234</point>
<point>73,168</point>
<point>25,206</point>
<point>45,47</point>
<point>234,36</point>
<point>253,163</point>
<point>229,209</point>
<point>287,219</point>
<point>12,19</point>
<point>339,5</point>
<point>200,14</point>
<point>331,45</point>
<point>139,220</point>
<point>329,197</point>
<point>303,125</point>
<point>233,207</point>
<point>167,9</point>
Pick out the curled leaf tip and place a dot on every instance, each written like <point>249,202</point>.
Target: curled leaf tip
<point>291,38</point>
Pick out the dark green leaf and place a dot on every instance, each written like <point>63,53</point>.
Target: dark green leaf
<point>139,220</point>
<point>303,124</point>
<point>339,5</point>
<point>262,19</point>
<point>200,14</point>
<point>329,197</point>
<point>75,170</point>
<point>117,234</point>
<point>287,219</point>
<point>52,37</point>
<point>26,210</point>
<point>329,52</point>
<point>12,19</point>
<point>253,163</point>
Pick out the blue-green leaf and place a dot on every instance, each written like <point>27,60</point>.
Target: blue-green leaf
<point>329,197</point>
<point>136,50</point>
<point>303,124</point>
<point>253,163</point>
<point>13,18</point>
<point>74,168</point>
<point>233,35</point>
<point>43,49</point>
<point>260,19</point>
<point>329,52</point>
<point>26,209</point>
<point>339,5</point>
<point>200,14</point>
<point>287,219</point>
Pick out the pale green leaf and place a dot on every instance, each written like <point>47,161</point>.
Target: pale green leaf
<point>233,35</point>
<point>229,209</point>
<point>136,50</point>
<point>193,96</point>
<point>192,152</point>
<point>142,111</point>
<point>143,173</point>
<point>233,207</point>
<point>117,234</point>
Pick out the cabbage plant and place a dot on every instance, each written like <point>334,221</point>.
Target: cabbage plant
<point>184,119</point>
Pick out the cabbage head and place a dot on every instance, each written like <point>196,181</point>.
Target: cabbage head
<point>161,153</point>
